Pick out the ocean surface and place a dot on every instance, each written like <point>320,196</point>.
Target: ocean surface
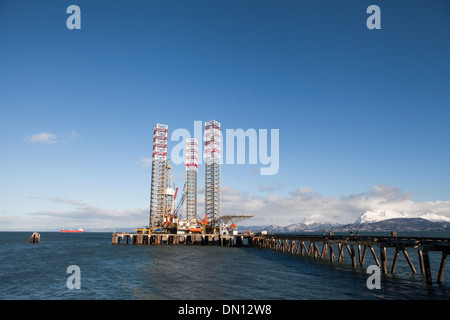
<point>128,272</point>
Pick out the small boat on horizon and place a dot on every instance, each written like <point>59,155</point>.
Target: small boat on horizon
<point>73,231</point>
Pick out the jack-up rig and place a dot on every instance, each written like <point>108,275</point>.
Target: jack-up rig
<point>165,215</point>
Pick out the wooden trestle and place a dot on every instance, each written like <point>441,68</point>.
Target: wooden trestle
<point>308,245</point>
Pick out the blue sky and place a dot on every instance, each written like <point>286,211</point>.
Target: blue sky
<point>355,108</point>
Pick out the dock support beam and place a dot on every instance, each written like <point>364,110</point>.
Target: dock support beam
<point>330,245</point>
<point>352,247</point>
<point>351,252</point>
<point>442,266</point>
<point>426,263</point>
<point>422,268</point>
<point>375,256</point>
<point>363,256</point>
<point>383,257</point>
<point>394,263</point>
<point>409,260</point>
<point>341,252</point>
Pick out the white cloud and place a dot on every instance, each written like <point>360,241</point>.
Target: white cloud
<point>267,209</point>
<point>61,200</point>
<point>50,138</point>
<point>304,202</point>
<point>42,137</point>
<point>77,214</point>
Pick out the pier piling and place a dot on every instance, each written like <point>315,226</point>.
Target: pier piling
<point>442,266</point>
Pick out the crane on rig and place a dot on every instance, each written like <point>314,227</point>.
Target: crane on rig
<point>182,225</point>
<point>180,204</point>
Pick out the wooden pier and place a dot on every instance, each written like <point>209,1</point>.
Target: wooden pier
<point>333,248</point>
<point>328,247</point>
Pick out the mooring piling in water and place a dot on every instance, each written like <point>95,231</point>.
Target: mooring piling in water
<point>35,238</point>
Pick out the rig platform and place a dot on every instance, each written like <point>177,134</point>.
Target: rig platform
<point>181,239</point>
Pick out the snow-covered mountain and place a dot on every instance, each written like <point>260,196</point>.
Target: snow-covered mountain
<point>381,220</point>
<point>396,224</point>
<point>313,223</point>
<point>380,215</point>
<point>318,219</point>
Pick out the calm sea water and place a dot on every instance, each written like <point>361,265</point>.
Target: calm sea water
<point>124,272</point>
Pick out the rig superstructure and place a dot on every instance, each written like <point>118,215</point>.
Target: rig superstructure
<point>165,215</point>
